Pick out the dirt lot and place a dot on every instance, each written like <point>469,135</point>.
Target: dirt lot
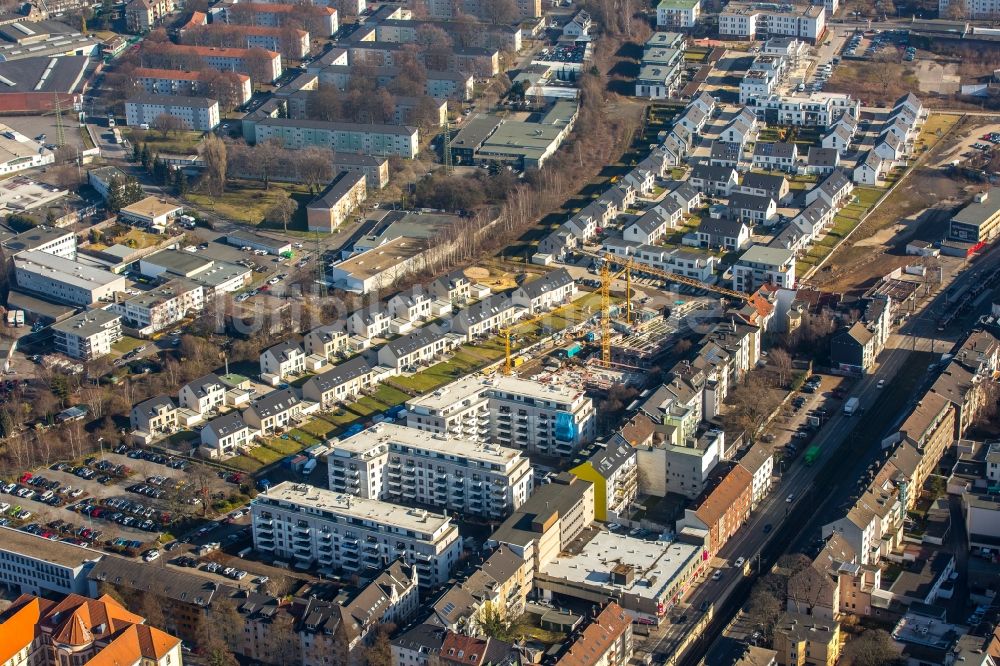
<point>917,209</point>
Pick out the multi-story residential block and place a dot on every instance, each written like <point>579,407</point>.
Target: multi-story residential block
<point>79,630</point>
<point>161,307</point>
<point>275,15</point>
<point>973,9</point>
<point>606,641</point>
<point>928,430</point>
<point>483,9</point>
<point>764,265</point>
<point>439,85</point>
<point>52,240</point>
<point>375,169</point>
<point>195,113</point>
<point>759,461</point>
<point>156,415</point>
<point>203,395</point>
<point>853,349</point>
<point>966,378</point>
<point>341,633</point>
<point>366,139</point>
<point>65,280</point>
<point>459,409</point>
<point>193,84</point>
<point>260,65</point>
<point>801,640</point>
<point>283,360</point>
<point>331,207</point>
<point>756,84</point>
<point>87,335</point>
<point>614,471</point>
<point>677,13</point>
<point>658,80</point>
<point>759,21</point>
<point>396,463</point>
<point>30,564</point>
<point>723,510</point>
<point>817,109</point>
<point>550,419</point>
<point>143,15</point>
<point>311,525</point>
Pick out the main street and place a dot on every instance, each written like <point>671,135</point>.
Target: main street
<point>917,342</point>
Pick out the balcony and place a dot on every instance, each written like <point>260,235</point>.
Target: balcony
<point>264,523</point>
<point>268,546</point>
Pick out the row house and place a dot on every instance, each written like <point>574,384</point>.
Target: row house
<point>650,227</point>
<point>487,316</point>
<point>776,155</point>
<point>718,181</point>
<point>752,208</point>
<point>327,341</point>
<point>417,348</point>
<point>559,243</point>
<point>642,180</point>
<point>742,129</point>
<point>370,322</point>
<point>889,147</point>
<point>545,293</point>
<point>224,436</point>
<point>821,161</point>
<point>726,234</point>
<point>814,220</point>
<point>693,119</point>
<point>676,261</point>
<point>275,411</point>
<point>726,154</point>
<point>154,416</point>
<point>837,138</point>
<point>453,288</point>
<point>835,190</point>
<point>765,184</point>
<point>687,197</point>
<point>203,395</point>
<point>345,381</point>
<point>412,307</point>
<point>723,511</point>
<point>870,169</point>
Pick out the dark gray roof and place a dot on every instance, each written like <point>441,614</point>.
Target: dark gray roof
<point>426,638</point>
<point>65,75</point>
<point>835,182</point>
<point>227,424</point>
<point>771,182</point>
<point>341,374</point>
<point>188,588</point>
<point>611,458</point>
<point>153,404</point>
<point>336,190</point>
<point>726,150</point>
<point>418,339</point>
<point>275,402</point>
<point>545,284</point>
<point>744,201</point>
<point>774,149</point>
<point>33,238</point>
<point>823,157</point>
<point>721,228</point>
<point>284,350</point>
<point>484,309</point>
<point>200,386</point>
<point>335,126</point>
<point>712,174</point>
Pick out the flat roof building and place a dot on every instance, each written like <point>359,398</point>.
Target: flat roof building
<point>377,268</point>
<point>51,569</point>
<point>979,222</point>
<point>88,335</point>
<point>64,280</point>
<point>309,525</point>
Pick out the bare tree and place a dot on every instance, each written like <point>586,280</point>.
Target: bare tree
<point>282,211</point>
<point>166,123</point>
<point>781,361</point>
<point>213,151</point>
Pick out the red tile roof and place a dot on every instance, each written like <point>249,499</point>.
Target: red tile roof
<point>598,637</point>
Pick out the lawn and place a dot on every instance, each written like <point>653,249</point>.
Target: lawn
<point>126,344</point>
<point>265,455</point>
<point>317,427</point>
<point>134,238</point>
<point>178,143</point>
<point>244,463</point>
<point>388,395</point>
<point>246,202</point>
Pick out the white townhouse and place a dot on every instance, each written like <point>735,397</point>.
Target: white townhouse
<point>203,395</point>
<point>544,293</point>
<point>283,360</point>
<point>344,382</point>
<point>225,435</point>
<point>869,169</point>
<point>778,155</point>
<point>273,411</point>
<point>370,322</point>
<point>326,341</point>
<point>487,316</point>
<point>653,225</point>
<point>416,348</point>
<point>411,306</point>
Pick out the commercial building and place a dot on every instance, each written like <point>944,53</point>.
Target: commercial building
<point>162,306</point>
<point>51,569</point>
<point>215,276</point>
<point>644,577</point>
<point>332,206</point>
<point>396,463</point>
<point>488,139</point>
<point>52,240</point>
<point>153,213</point>
<point>334,531</point>
<point>361,138</point>
<point>764,265</point>
<point>79,630</point>
<point>64,280</point>
<point>614,471</point>
<point>18,152</point>
<point>759,21</point>
<point>254,241</point>
<point>88,335</point>
<point>677,13</point>
<point>377,268</point>
<point>979,222</point>
<point>189,83</point>
<point>196,113</point>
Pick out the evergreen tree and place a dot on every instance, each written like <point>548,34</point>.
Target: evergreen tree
<point>182,182</point>
<point>116,192</point>
<point>136,152</point>
<point>146,157</point>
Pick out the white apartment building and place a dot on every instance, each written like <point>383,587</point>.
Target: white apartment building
<point>518,413</point>
<point>677,13</point>
<point>272,15</point>
<point>51,240</point>
<point>551,419</point>
<point>820,109</point>
<point>764,265</point>
<point>367,139</point>
<point>337,532</point>
<point>88,335</point>
<point>396,463</point>
<point>241,61</point>
<point>752,21</point>
<point>161,307</point>
<point>973,9</point>
<point>756,85</point>
<point>203,395</point>
<point>197,113</point>
<point>64,280</point>
<point>177,82</point>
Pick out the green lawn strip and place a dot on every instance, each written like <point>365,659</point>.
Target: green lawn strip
<point>317,427</point>
<point>126,344</point>
<point>244,463</point>
<point>390,396</point>
<point>265,455</point>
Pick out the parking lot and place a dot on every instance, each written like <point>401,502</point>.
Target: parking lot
<point>120,496</point>
<point>806,411</point>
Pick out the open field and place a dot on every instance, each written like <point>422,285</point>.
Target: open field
<point>248,202</point>
<point>178,143</point>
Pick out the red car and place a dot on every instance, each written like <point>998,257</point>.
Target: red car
<point>26,477</point>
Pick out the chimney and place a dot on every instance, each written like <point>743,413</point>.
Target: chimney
<point>981,197</point>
